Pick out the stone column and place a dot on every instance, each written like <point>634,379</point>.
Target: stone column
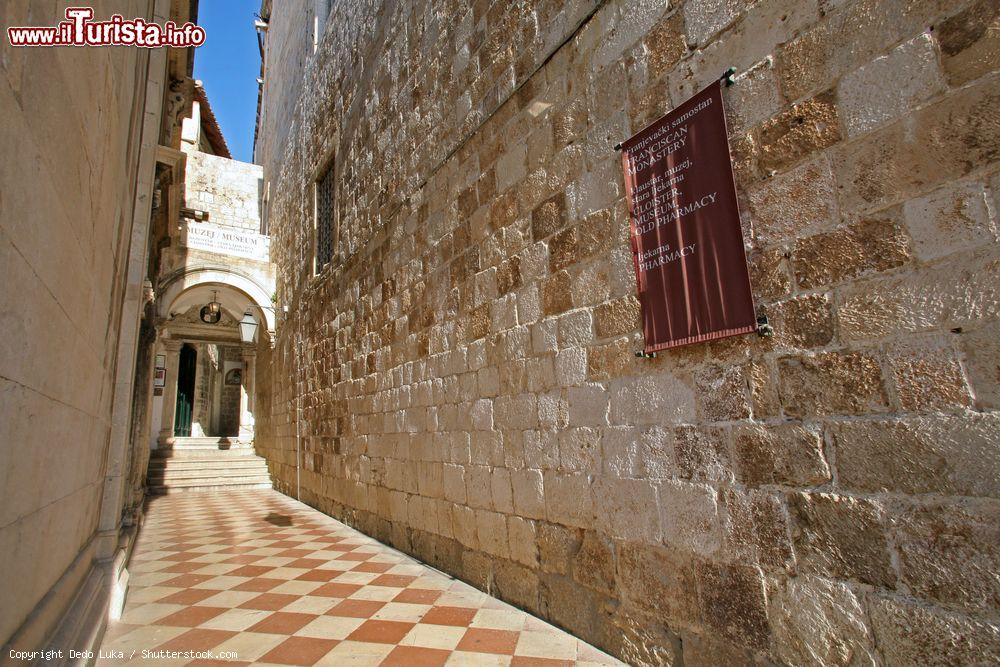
<point>199,411</point>
<point>173,349</point>
<point>246,394</point>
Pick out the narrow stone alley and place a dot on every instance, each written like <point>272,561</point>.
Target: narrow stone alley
<point>498,332</point>
<point>255,577</point>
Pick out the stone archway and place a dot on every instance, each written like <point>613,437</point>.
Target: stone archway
<point>187,281</point>
<point>181,296</point>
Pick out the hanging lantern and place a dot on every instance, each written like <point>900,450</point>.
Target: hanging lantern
<point>248,327</point>
<point>211,312</point>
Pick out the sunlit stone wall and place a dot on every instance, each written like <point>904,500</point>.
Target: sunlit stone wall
<point>465,369</point>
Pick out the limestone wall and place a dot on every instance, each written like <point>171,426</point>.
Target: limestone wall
<point>228,189</point>
<point>71,129</point>
<point>467,381</point>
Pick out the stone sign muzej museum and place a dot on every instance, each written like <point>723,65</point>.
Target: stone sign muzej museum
<point>224,240</point>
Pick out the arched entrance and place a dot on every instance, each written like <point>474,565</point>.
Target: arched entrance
<point>235,290</point>
<point>208,371</point>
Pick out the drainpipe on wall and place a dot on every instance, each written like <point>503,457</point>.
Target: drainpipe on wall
<point>298,414</point>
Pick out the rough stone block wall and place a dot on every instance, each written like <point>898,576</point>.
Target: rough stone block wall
<point>228,189</point>
<point>462,377</point>
<point>178,257</point>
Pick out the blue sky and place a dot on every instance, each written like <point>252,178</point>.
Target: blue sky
<point>228,64</point>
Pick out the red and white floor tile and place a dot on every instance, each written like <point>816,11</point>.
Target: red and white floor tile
<point>255,577</point>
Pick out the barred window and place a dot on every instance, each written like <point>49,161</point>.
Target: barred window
<point>321,14</point>
<point>325,222</point>
<point>264,190</point>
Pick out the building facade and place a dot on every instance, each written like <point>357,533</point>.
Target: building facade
<point>89,136</point>
<point>217,254</point>
<point>215,276</point>
<point>457,372</point>
<point>120,223</point>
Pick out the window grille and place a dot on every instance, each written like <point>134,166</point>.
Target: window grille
<point>265,195</point>
<point>322,13</point>
<point>325,224</point>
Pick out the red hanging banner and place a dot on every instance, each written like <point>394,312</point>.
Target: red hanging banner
<point>687,243</point>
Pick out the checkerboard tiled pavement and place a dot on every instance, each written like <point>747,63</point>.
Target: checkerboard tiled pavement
<point>264,577</point>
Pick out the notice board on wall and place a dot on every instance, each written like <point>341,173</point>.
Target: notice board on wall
<point>687,242</point>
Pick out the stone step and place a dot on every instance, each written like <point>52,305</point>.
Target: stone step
<point>182,475</point>
<point>162,490</point>
<point>216,481</point>
<point>199,441</point>
<point>207,475</point>
<point>204,467</point>
<point>200,452</point>
<point>170,475</point>
<point>189,464</point>
<point>207,472</point>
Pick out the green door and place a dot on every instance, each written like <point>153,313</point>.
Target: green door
<point>185,391</point>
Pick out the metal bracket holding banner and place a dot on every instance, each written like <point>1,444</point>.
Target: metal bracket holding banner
<point>764,328</point>
<point>728,78</point>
